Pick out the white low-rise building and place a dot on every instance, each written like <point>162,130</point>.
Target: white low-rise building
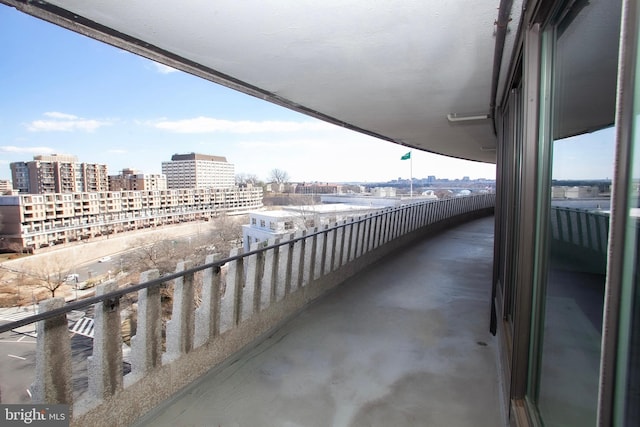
<point>575,192</point>
<point>265,225</point>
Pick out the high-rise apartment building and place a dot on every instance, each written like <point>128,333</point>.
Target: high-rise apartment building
<point>129,179</point>
<point>198,171</point>
<point>5,187</point>
<point>58,174</point>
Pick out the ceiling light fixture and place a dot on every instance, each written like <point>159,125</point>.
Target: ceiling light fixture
<point>460,118</point>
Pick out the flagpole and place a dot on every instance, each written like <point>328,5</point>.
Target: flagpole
<point>411,177</point>
<point>405,157</point>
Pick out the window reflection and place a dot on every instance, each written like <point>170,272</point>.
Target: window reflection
<point>583,103</point>
<point>630,318</point>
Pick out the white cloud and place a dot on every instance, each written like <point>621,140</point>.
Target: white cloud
<point>33,150</point>
<point>164,69</point>
<point>57,115</point>
<point>63,122</point>
<point>210,125</point>
<point>117,151</point>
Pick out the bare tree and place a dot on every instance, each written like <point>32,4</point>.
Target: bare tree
<point>253,180</point>
<point>241,179</point>
<point>51,273</point>
<point>227,233</point>
<point>157,252</point>
<point>278,176</point>
<point>246,179</point>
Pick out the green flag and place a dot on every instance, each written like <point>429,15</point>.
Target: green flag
<point>406,156</point>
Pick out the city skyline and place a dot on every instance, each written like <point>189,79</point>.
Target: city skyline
<point>68,94</point>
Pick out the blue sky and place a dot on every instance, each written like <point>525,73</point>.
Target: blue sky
<point>68,94</point>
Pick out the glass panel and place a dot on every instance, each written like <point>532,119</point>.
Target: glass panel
<point>629,353</point>
<point>583,106</point>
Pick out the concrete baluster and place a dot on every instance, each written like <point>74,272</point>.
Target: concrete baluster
<point>356,235</point>
<point>379,235</point>
<point>384,225</point>
<point>394,224</point>
<point>366,238</point>
<point>371,232</point>
<point>270,276</point>
<point>208,314</point>
<point>405,220</point>
<point>376,232</point>
<point>283,282</point>
<point>250,290</point>
<point>297,264</point>
<point>180,329</point>
<point>349,232</point>
<point>146,344</point>
<point>259,276</point>
<point>232,298</point>
<point>411,223</point>
<point>105,364</point>
<point>330,244</point>
<point>415,210</point>
<point>432,212</point>
<point>341,242</point>
<point>53,383</point>
<point>319,261</point>
<point>308,257</point>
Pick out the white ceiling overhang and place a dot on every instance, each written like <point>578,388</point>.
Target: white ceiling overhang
<point>394,69</point>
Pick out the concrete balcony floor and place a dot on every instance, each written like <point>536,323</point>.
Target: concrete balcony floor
<point>404,343</point>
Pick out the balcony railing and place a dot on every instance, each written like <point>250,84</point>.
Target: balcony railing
<point>580,237</point>
<point>216,309</point>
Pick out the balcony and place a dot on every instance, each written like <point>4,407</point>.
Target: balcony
<point>311,330</point>
<point>403,343</point>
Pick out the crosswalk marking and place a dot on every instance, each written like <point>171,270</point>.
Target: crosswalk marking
<point>84,327</point>
<point>8,316</point>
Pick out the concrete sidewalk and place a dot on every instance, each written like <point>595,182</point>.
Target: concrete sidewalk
<point>405,343</point>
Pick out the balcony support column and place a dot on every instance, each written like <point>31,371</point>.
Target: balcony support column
<point>348,238</point>
<point>251,292</point>
<point>105,364</point>
<point>270,276</point>
<point>283,274</point>
<point>320,248</point>
<point>180,329</point>
<point>297,257</point>
<point>146,344</point>
<point>208,314</point>
<point>53,382</point>
<point>232,300</point>
<point>309,257</point>
<point>287,264</point>
<point>330,251</point>
<point>338,246</point>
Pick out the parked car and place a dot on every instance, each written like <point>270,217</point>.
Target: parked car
<point>72,278</point>
<point>105,259</point>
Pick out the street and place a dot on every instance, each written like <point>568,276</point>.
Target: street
<point>17,363</point>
